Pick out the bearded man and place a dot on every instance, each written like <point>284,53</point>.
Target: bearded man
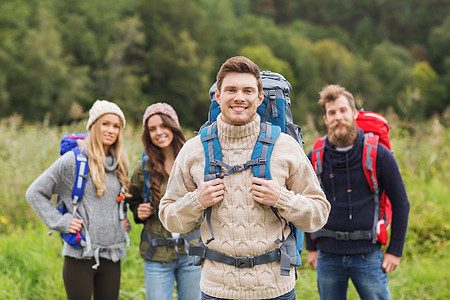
<point>344,248</point>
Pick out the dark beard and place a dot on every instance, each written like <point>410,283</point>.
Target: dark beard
<point>342,137</point>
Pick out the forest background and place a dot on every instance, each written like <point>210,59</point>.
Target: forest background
<point>57,57</point>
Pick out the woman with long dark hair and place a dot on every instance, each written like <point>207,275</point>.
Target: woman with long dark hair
<point>164,253</point>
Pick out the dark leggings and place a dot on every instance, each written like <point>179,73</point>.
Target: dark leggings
<point>80,280</point>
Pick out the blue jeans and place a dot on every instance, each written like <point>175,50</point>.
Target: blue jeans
<point>333,272</point>
<point>288,296</point>
<point>160,279</point>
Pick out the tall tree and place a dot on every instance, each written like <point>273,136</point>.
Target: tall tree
<point>392,66</point>
<point>178,62</point>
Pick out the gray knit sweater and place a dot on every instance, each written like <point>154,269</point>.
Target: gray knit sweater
<point>100,215</point>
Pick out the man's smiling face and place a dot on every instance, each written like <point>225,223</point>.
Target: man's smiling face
<point>239,98</point>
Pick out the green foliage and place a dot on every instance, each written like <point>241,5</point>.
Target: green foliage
<point>392,66</point>
<point>432,92</point>
<point>30,274</point>
<point>57,57</point>
<point>24,273</point>
<point>262,55</point>
<point>407,21</point>
<point>439,44</point>
<point>177,64</point>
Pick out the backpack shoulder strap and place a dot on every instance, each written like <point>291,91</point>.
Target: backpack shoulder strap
<point>370,160</point>
<point>213,151</point>
<point>370,168</point>
<point>147,191</point>
<point>82,170</point>
<point>262,152</point>
<point>317,156</point>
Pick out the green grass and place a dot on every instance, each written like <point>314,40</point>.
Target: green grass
<point>31,265</point>
<point>31,262</point>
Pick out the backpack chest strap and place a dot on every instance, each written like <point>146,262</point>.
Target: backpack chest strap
<point>238,262</point>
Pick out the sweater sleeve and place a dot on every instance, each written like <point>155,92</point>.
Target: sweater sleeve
<point>179,209</point>
<point>39,193</point>
<point>390,180</point>
<point>302,200</point>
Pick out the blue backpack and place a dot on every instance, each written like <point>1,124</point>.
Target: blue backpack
<point>70,143</point>
<point>276,117</point>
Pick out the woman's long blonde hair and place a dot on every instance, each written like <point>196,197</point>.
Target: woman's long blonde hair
<point>96,158</point>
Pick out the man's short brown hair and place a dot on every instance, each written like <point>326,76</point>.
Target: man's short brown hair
<point>239,64</point>
<point>331,93</point>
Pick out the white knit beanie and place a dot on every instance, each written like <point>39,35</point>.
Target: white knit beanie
<point>103,107</point>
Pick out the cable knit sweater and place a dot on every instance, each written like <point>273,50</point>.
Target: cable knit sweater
<point>242,226</point>
<point>100,215</point>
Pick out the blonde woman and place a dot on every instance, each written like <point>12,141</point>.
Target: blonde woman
<point>92,268</point>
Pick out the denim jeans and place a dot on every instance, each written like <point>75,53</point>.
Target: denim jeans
<point>288,296</point>
<point>334,271</point>
<point>160,279</point>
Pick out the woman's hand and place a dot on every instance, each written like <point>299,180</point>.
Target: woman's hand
<point>144,211</point>
<point>75,225</point>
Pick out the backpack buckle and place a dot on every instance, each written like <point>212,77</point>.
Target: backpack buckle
<point>341,236</point>
<point>272,94</point>
<point>208,177</point>
<point>244,262</point>
<point>238,168</point>
<point>214,163</point>
<point>261,161</point>
<point>171,242</point>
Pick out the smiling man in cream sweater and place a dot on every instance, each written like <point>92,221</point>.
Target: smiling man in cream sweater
<point>242,220</point>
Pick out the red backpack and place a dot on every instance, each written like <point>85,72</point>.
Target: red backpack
<point>376,129</point>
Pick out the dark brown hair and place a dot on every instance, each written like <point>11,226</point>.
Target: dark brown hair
<point>156,156</point>
<point>239,64</point>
